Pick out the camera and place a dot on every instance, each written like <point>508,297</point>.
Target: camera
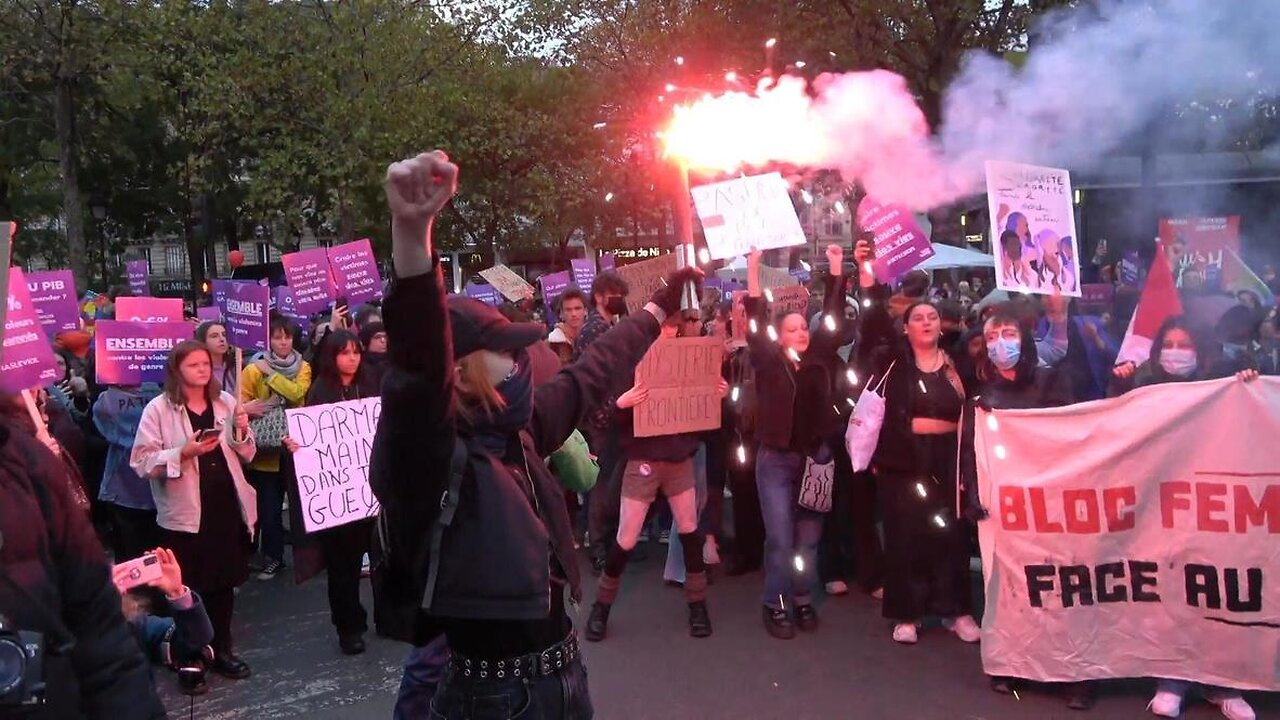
<point>21,666</point>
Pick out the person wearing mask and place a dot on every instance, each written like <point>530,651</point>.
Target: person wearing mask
<point>608,305</point>
<point>795,377</point>
<point>214,335</point>
<point>473,537</point>
<point>373,338</point>
<point>127,497</point>
<point>272,382</point>
<point>571,306</point>
<point>191,442</point>
<point>926,546</point>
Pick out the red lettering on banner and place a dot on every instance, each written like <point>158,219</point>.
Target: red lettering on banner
<point>1041,513</point>
<point>1112,499</point>
<point>1207,506</point>
<point>1264,512</point>
<point>1217,505</point>
<point>1173,496</point>
<point>1071,501</point>
<point>1013,510</point>
<point>1083,511</point>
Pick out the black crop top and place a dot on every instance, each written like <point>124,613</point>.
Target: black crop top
<point>934,397</point>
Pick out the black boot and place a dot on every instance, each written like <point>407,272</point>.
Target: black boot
<point>351,643</point>
<point>598,622</point>
<point>699,620</point>
<point>778,623</point>
<point>806,618</point>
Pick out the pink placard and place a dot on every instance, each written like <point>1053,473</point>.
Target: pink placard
<point>148,309</point>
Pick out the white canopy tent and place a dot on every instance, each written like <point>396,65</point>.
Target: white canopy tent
<point>946,257</point>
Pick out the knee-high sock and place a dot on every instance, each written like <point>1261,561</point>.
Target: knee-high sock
<point>611,579</point>
<point>695,570</point>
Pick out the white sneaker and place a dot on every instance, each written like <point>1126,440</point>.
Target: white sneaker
<point>710,551</point>
<point>837,587</point>
<point>905,633</point>
<point>966,629</point>
<point>1166,704</point>
<point>1234,708</point>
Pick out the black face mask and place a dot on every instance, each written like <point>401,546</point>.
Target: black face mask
<point>616,306</point>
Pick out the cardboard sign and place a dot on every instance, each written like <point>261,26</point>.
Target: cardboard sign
<point>899,243</point>
<point>1097,293</point>
<point>484,293</point>
<point>644,278</point>
<point>512,286</point>
<point>553,286</point>
<point>54,294</point>
<point>332,464</point>
<point>247,315</point>
<point>355,272</point>
<point>584,273</point>
<point>683,378</point>
<point>129,353</point>
<point>148,309</point>
<point>139,275</point>
<point>26,359</point>
<point>310,280</point>
<point>743,213</point>
<point>771,277</point>
<point>1033,229</point>
<point>789,300</point>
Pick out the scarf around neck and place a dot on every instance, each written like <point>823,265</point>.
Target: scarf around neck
<point>494,433</point>
<point>288,367</point>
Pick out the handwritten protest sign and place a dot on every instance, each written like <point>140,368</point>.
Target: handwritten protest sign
<point>128,353</point>
<point>54,295</point>
<point>584,273</point>
<point>309,278</point>
<point>332,462</point>
<point>644,278</point>
<point>355,272</point>
<point>899,243</point>
<point>771,277</point>
<point>247,315</point>
<point>743,213</point>
<point>26,360</point>
<point>148,309</point>
<point>484,293</point>
<point>794,299</point>
<point>512,286</point>
<point>139,274</point>
<point>1033,229</point>
<point>683,379</point>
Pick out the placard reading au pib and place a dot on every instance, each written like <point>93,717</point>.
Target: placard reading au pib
<point>683,378</point>
<point>332,463</point>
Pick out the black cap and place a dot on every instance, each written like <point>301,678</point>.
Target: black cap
<point>477,326</point>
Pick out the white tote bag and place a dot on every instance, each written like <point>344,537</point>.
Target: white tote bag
<point>864,424</point>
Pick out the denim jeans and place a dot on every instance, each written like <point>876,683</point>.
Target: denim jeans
<point>270,489</point>
<point>555,697</point>
<point>791,532</point>
<point>423,669</point>
<point>674,569</point>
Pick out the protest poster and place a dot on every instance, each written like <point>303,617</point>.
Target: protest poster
<point>26,359</point>
<point>484,293</point>
<point>1200,244</point>
<point>1033,229</point>
<point>1097,293</point>
<point>553,285</point>
<point>787,300</point>
<point>744,213</point>
<point>899,244</point>
<point>801,274</point>
<point>138,273</point>
<point>644,278</point>
<point>355,272</point>
<point>512,286</point>
<point>1134,537</point>
<point>210,313</point>
<point>148,309</point>
<point>584,273</point>
<point>288,308</point>
<point>1129,269</point>
<point>608,262</point>
<point>331,465</point>
<point>771,277</point>
<point>307,272</point>
<point>247,315</point>
<point>128,353</point>
<point>53,293</point>
<point>683,379</point>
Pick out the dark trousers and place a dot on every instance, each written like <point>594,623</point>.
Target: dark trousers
<point>423,669</point>
<point>606,496</point>
<point>343,549</point>
<point>270,487</point>
<point>563,696</point>
<point>133,531</point>
<point>850,547</point>
<point>712,521</point>
<point>748,523</point>
<point>220,606</point>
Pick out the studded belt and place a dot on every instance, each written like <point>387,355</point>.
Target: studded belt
<point>534,665</point>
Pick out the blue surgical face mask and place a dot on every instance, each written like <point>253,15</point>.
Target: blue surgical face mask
<point>1178,361</point>
<point>1233,350</point>
<point>1005,352</point>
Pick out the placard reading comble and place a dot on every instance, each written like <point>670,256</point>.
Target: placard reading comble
<point>683,379</point>
<point>744,213</point>
<point>332,462</point>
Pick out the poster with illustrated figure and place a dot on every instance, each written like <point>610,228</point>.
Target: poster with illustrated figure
<point>1033,229</point>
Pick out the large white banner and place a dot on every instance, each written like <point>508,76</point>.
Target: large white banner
<point>332,464</point>
<point>1135,537</point>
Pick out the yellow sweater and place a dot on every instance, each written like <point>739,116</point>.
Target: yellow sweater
<point>253,386</point>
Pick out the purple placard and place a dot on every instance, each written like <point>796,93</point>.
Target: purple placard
<point>54,295</point>
<point>286,307</point>
<point>900,244</point>
<point>608,263</point>
<point>210,313</point>
<point>1097,293</point>
<point>1129,268</point>
<point>484,293</point>
<point>129,353</point>
<point>309,279</point>
<point>584,273</point>
<point>26,360</point>
<point>220,292</point>
<point>713,283</point>
<point>355,272</point>
<point>148,309</point>
<point>247,315</point>
<point>553,284</point>
<point>139,274</point>
<point>801,274</point>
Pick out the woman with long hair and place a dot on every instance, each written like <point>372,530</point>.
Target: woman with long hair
<point>214,335</point>
<point>343,376</point>
<point>191,443</point>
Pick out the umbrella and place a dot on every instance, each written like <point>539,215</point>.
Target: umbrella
<point>950,256</point>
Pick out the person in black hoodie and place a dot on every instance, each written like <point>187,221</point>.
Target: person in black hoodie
<point>373,338</point>
<point>473,539</point>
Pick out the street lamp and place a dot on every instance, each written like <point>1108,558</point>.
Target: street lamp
<point>98,208</point>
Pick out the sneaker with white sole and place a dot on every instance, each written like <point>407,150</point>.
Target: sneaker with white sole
<point>271,569</point>
<point>905,633</point>
<point>1166,704</point>
<point>966,629</point>
<point>837,587</point>
<point>1234,708</point>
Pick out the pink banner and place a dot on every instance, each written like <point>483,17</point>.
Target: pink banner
<point>26,360</point>
<point>148,309</point>
<point>309,279</point>
<point>54,294</point>
<point>355,272</point>
<point>900,243</point>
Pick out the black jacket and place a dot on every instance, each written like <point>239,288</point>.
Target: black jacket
<point>55,579</point>
<point>778,383</point>
<point>508,521</point>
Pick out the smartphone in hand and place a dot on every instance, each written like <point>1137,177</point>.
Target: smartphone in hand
<point>139,571</point>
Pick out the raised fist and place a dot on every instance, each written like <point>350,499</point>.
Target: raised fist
<point>419,187</point>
